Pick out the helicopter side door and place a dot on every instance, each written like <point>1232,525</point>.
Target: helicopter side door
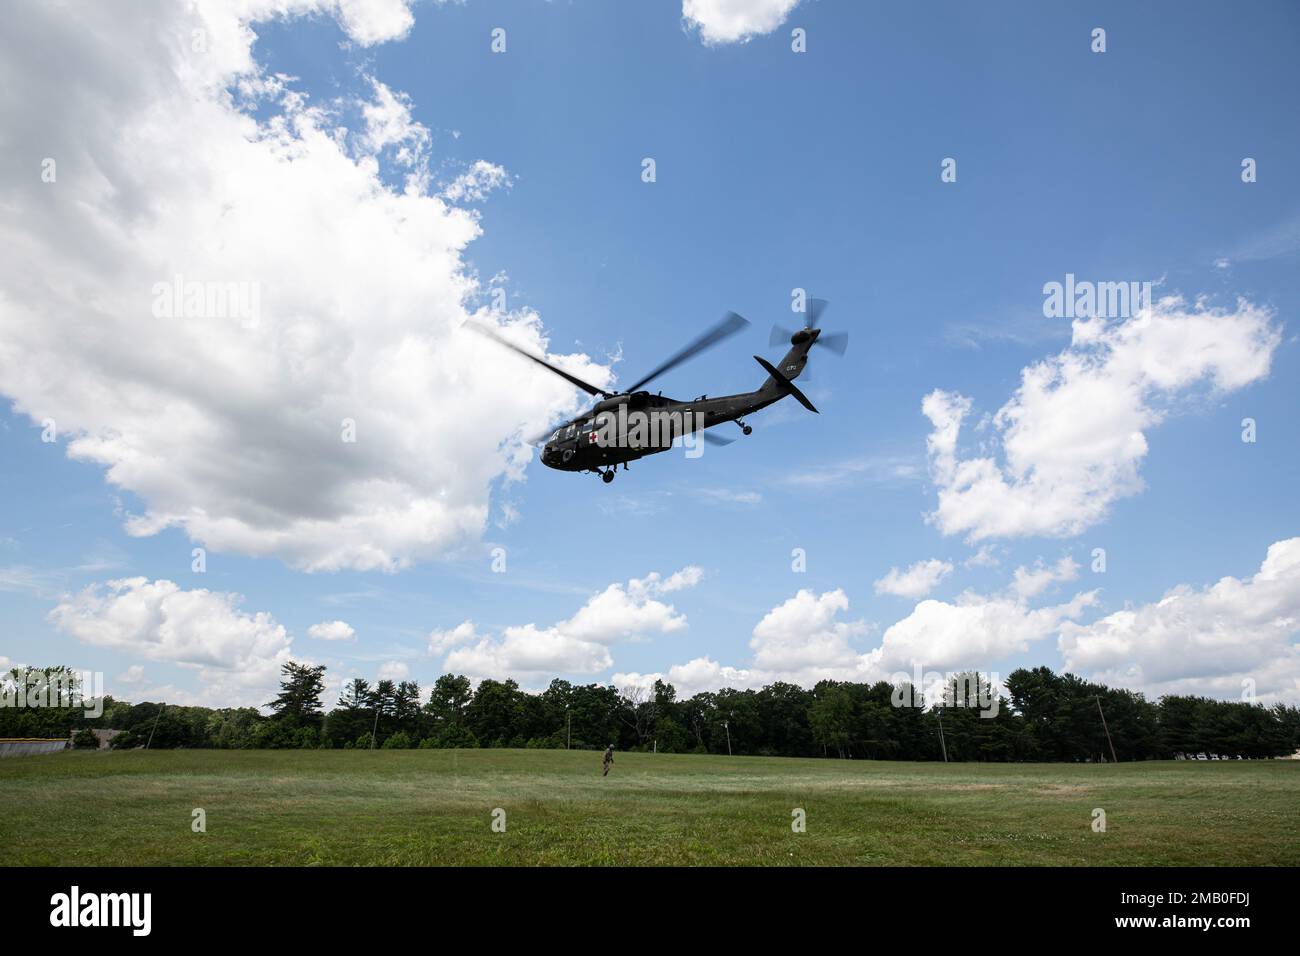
<point>586,444</point>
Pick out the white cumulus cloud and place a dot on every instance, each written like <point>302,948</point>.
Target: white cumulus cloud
<point>972,633</point>
<point>1234,636</point>
<point>476,182</point>
<point>807,639</point>
<point>917,581</point>
<point>693,677</point>
<point>332,631</point>
<point>735,21</point>
<point>802,640</point>
<point>394,670</point>
<point>1073,436</point>
<point>229,423</point>
<point>578,645</point>
<point>237,655</point>
<point>1030,582</point>
<point>805,636</point>
<point>441,641</point>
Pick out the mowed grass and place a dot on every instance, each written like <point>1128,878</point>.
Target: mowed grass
<point>430,807</point>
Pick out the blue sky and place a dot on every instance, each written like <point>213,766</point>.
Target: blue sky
<point>775,170</point>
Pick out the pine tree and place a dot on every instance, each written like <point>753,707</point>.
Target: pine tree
<point>301,686</point>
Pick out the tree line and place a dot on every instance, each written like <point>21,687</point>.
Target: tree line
<point>1044,716</point>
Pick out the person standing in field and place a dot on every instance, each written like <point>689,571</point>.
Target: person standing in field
<point>609,759</point>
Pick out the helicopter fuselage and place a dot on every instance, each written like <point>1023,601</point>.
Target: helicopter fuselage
<point>626,427</point>
<point>629,427</point>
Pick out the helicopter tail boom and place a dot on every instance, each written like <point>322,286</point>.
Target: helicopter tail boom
<point>782,384</point>
<point>790,367</point>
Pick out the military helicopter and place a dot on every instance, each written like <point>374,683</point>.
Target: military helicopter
<point>631,424</point>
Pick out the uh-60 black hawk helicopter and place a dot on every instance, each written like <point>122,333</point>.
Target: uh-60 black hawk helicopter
<point>624,426</point>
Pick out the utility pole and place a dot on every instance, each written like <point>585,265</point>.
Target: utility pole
<point>568,734</point>
<point>375,730</point>
<point>154,727</point>
<point>941,743</point>
<point>1113,758</point>
<point>726,725</point>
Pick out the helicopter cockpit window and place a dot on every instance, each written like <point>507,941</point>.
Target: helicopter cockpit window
<point>556,436</point>
<point>571,431</point>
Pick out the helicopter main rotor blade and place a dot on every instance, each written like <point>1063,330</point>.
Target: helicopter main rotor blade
<point>729,325</point>
<point>815,309</point>
<point>718,440</point>
<point>571,379</point>
<point>540,438</point>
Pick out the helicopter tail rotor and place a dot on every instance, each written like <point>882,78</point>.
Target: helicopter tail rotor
<point>837,342</point>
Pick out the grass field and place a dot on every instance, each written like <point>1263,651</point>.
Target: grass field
<point>423,807</point>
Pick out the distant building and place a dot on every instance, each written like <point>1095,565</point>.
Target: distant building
<point>29,746</point>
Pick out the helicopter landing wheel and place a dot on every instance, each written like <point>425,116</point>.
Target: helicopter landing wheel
<point>607,476</point>
<point>747,430</point>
